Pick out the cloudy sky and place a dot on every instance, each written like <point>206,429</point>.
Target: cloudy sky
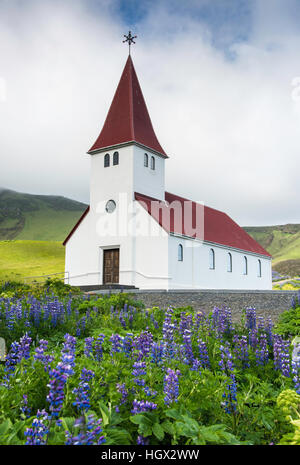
<point>221,79</point>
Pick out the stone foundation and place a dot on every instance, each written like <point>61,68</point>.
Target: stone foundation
<point>266,303</point>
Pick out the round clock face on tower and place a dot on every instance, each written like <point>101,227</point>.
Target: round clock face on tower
<point>110,206</point>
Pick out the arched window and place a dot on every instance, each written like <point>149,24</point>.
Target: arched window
<point>245,271</point>
<point>106,160</point>
<point>229,262</point>
<point>180,253</point>
<point>146,160</point>
<point>259,269</point>
<point>116,158</point>
<point>152,163</point>
<point>212,259</point>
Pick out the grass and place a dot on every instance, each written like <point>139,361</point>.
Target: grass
<point>37,217</point>
<point>48,225</point>
<point>283,243</point>
<point>19,259</point>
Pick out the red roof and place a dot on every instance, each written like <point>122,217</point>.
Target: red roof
<point>128,118</point>
<point>211,225</point>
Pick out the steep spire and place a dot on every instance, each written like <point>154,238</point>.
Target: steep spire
<point>128,119</point>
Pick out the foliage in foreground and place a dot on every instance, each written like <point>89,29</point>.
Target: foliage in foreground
<point>108,371</point>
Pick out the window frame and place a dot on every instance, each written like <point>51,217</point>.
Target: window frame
<point>229,262</point>
<point>146,160</point>
<point>259,275</point>
<point>212,259</point>
<point>115,158</point>
<point>152,163</point>
<point>180,253</point>
<point>245,265</point>
<point>106,160</point>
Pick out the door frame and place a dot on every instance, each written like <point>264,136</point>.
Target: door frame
<point>109,247</point>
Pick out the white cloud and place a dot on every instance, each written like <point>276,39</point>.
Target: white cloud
<point>231,128</point>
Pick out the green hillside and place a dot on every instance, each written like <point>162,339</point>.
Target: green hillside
<point>19,259</point>
<point>37,217</point>
<point>283,243</point>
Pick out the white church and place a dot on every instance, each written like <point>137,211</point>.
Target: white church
<point>135,234</point>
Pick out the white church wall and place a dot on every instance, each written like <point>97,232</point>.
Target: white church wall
<point>146,180</point>
<point>195,273</point>
<point>81,262</point>
<point>151,252</point>
<point>108,182</point>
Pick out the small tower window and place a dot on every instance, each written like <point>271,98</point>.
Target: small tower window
<point>229,262</point>
<point>106,160</point>
<point>146,158</point>
<point>212,259</point>
<point>180,253</point>
<point>259,269</point>
<point>116,158</point>
<point>245,270</point>
<point>152,163</point>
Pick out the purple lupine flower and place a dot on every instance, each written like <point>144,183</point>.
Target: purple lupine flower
<point>140,406</point>
<point>82,401</point>
<point>116,343</point>
<point>296,375</point>
<point>155,323</point>
<point>99,347</point>
<point>169,348</point>
<point>187,346</point>
<point>26,411</point>
<point>277,347</point>
<point>142,344</point>
<point>197,365</point>
<point>200,319</point>
<point>39,354</point>
<point>59,375</point>
<point>260,322</point>
<point>227,367</point>
<point>281,353</point>
<point>150,392</point>
<point>38,433</point>
<point>10,319</point>
<point>24,347</point>
<point>250,318</point>
<point>240,350</point>
<point>221,321</point>
<point>269,330</point>
<point>89,432</point>
<point>127,344</point>
<point>253,339</point>
<point>88,347</point>
<point>203,354</point>
<point>141,441</point>
<point>186,322</point>
<point>58,378</point>
<point>171,386</point>
<point>156,353</point>
<point>121,388</point>
<point>285,359</point>
<point>139,370</point>
<point>261,352</point>
<point>122,320</point>
<point>12,359</point>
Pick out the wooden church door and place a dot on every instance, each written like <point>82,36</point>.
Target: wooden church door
<point>111,266</point>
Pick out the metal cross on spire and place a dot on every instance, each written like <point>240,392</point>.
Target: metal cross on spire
<point>130,39</point>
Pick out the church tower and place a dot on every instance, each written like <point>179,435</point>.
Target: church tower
<point>127,156</point>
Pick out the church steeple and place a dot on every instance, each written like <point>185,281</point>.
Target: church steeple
<point>128,119</point>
